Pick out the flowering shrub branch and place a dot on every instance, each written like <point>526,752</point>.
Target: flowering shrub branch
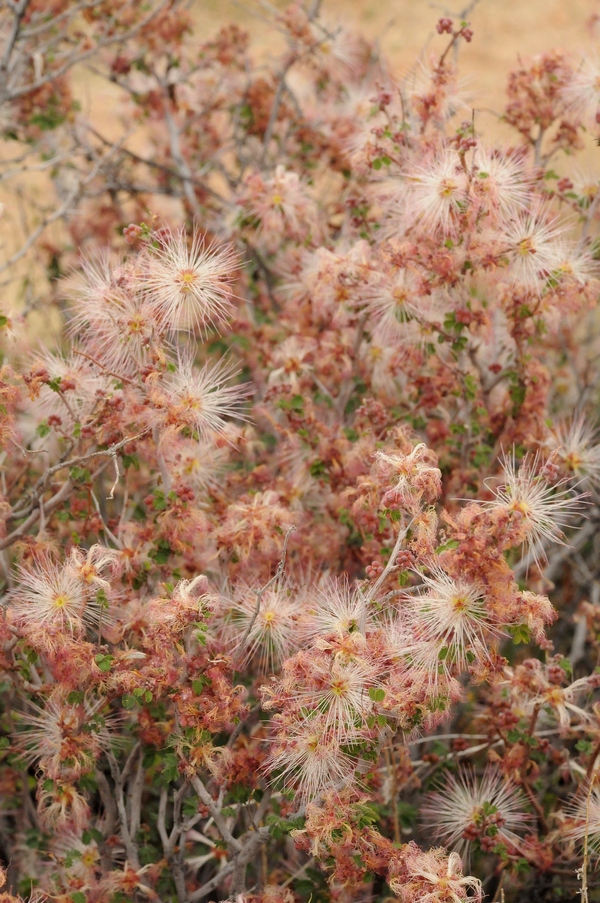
<point>298,504</point>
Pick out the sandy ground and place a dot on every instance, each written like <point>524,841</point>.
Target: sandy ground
<point>404,29</point>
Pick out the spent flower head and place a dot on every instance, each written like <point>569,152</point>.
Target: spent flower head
<point>468,808</point>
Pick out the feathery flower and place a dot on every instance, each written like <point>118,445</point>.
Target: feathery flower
<point>190,285</point>
<point>582,93</point>
<point>99,284</point>
<point>573,264</point>
<point>336,608</point>
<point>450,622</point>
<point>112,318</point>
<point>391,301</point>
<point>52,595</point>
<point>198,464</point>
<point>586,818</point>
<point>434,92</point>
<point>432,876</point>
<point>586,186</point>
<point>532,248</point>
<point>340,691</point>
<point>199,399</point>
<point>119,336</point>
<point>542,510</point>
<point>274,631</point>
<point>573,440</point>
<point>78,383</point>
<point>500,183</point>
<point>62,805</point>
<point>416,478</point>
<point>468,808</point>
<point>280,204</point>
<point>310,758</point>
<point>437,192</point>
<point>337,49</point>
<point>90,565</point>
<point>79,860</point>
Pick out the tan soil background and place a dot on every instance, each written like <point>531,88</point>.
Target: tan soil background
<point>404,30</point>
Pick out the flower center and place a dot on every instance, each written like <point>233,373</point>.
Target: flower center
<point>339,687</point>
<point>186,280</point>
<point>447,188</point>
<point>460,603</point>
<point>526,247</point>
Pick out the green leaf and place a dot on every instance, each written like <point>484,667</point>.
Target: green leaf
<point>159,503</point>
<point>128,701</point>
<point>317,469</point>
<point>377,694</point>
<point>520,633</point>
<point>76,697</point>
<point>104,662</point>
<point>130,461</point>
<point>198,685</point>
<point>451,544</point>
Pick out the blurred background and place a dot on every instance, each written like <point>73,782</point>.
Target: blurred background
<point>404,30</point>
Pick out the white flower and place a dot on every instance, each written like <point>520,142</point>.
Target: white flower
<point>584,810</point>
<point>573,440</point>
<point>532,248</point>
<point>500,183</point>
<point>199,399</point>
<point>450,623</point>
<point>341,694</point>
<point>65,737</point>
<point>53,595</point>
<point>201,464</point>
<point>582,94</point>
<point>272,635</point>
<point>391,301</point>
<point>190,285</point>
<point>309,757</point>
<point>75,391</point>
<point>544,509</point>
<point>437,192</point>
<point>336,608</point>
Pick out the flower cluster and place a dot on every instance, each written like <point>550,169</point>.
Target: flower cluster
<point>298,506</point>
